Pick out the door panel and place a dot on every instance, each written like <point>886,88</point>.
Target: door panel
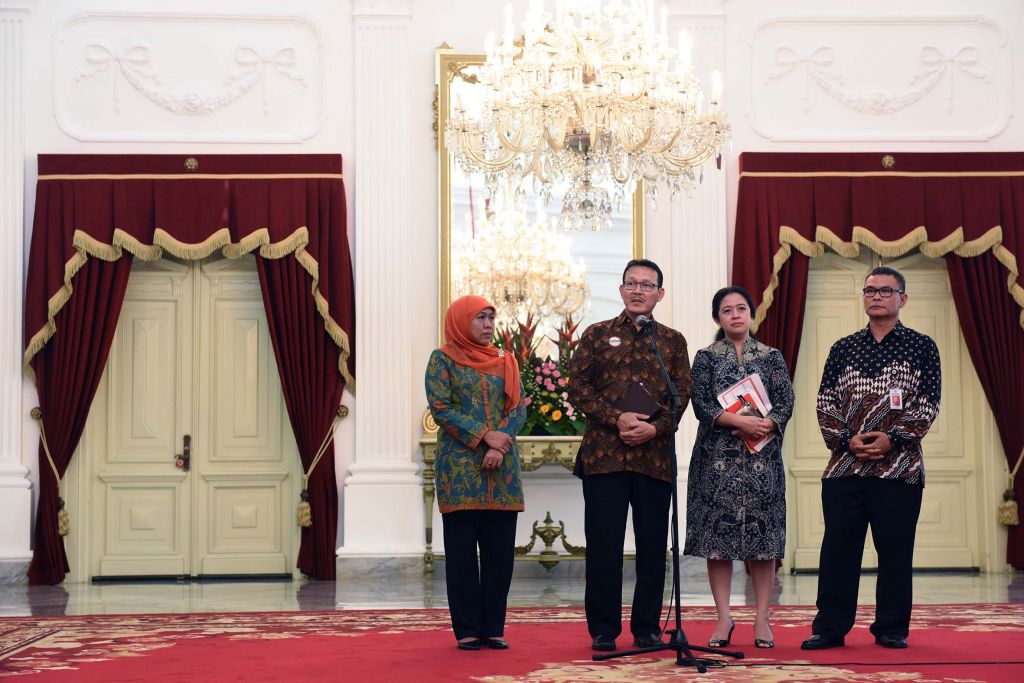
<point>143,500</point>
<point>247,488</point>
<point>144,533</point>
<point>145,364</point>
<point>248,415</point>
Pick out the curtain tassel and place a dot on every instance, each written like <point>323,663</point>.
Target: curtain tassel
<point>1008,513</point>
<point>63,519</point>
<point>304,515</point>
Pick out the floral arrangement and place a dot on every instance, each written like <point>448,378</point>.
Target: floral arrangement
<point>545,381</point>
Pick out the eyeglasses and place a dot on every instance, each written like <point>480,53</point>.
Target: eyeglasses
<point>884,292</point>
<point>645,286</point>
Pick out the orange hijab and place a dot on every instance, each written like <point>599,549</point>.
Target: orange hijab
<point>488,359</point>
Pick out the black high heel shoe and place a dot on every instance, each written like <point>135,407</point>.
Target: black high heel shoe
<point>765,644</point>
<point>728,638</point>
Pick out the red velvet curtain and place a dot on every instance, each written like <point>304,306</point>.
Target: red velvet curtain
<point>93,212</point>
<point>308,358</point>
<point>781,322</point>
<point>68,371</point>
<point>995,341</point>
<point>968,208</point>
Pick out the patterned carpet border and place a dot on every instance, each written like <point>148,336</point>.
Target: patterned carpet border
<point>68,647</point>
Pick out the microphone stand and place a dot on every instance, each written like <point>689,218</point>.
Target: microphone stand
<point>677,641</point>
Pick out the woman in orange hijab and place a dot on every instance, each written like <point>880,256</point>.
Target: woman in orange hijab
<point>473,393</point>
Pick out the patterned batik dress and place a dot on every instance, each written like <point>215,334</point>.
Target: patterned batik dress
<point>736,500</point>
<point>466,404</point>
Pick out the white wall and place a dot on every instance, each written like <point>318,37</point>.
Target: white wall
<point>876,46</point>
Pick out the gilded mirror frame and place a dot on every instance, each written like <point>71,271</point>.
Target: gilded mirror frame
<point>450,65</point>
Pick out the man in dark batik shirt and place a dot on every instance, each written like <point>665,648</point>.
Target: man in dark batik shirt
<point>625,457</point>
<point>879,395</point>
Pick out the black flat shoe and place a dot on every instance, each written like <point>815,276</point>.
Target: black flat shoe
<point>603,643</point>
<point>648,640</point>
<point>473,644</point>
<point>765,644</point>
<point>728,639</point>
<point>497,643</point>
<point>895,642</point>
<point>820,642</point>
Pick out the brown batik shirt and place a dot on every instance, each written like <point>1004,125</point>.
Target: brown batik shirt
<point>611,356</point>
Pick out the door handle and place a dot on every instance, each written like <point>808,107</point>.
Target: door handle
<point>184,461</point>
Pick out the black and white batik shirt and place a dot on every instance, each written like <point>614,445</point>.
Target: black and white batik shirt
<point>890,386</point>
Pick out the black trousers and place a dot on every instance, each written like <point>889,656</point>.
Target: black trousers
<point>607,498</point>
<point>478,593</point>
<point>891,508</point>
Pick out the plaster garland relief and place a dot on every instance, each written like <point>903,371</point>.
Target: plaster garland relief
<point>936,68</point>
<point>938,78</point>
<point>132,64</point>
<point>183,77</point>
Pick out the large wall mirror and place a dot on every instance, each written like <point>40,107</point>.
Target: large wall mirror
<point>471,224</point>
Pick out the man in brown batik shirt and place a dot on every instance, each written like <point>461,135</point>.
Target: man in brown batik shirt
<point>626,457</point>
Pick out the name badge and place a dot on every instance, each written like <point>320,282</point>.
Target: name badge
<point>896,399</point>
<point>614,341</point>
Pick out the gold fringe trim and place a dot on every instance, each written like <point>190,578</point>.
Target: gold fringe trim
<point>294,244</point>
<point>917,238</point>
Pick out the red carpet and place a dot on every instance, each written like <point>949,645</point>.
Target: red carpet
<point>949,643</point>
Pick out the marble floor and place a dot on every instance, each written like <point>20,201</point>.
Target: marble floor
<point>375,592</point>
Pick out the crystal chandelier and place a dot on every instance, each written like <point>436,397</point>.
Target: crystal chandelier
<point>586,206</point>
<point>521,267</point>
<point>593,93</point>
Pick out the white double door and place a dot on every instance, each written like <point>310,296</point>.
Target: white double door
<point>191,361</point>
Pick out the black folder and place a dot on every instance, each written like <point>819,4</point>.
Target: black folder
<point>638,400</point>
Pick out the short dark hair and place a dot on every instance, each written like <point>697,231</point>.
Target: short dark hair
<point>643,263</point>
<point>886,270</point>
<point>716,303</point>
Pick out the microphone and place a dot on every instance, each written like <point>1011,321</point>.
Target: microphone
<point>644,322</point>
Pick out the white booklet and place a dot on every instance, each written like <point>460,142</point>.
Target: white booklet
<point>748,393</point>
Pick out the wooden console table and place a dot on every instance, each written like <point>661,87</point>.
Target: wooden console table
<point>534,451</point>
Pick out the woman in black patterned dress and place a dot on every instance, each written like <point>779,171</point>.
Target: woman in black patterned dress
<point>736,500</point>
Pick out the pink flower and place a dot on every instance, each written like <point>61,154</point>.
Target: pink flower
<point>545,369</point>
<point>539,379</point>
<point>527,401</point>
<point>549,386</point>
<point>561,382</point>
<point>556,373</point>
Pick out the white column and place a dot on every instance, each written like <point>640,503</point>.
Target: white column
<point>383,509</point>
<point>15,490</point>
<point>700,255</point>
